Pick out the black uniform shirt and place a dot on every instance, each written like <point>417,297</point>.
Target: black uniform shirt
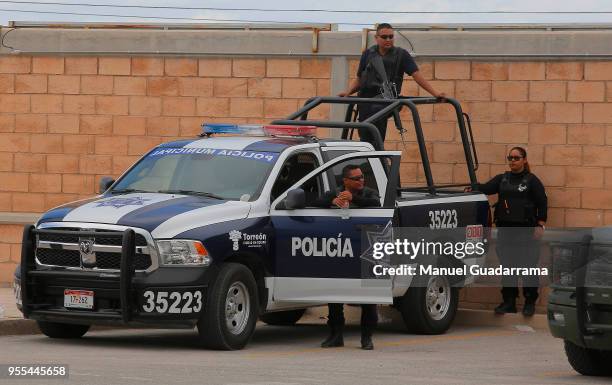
<point>365,198</point>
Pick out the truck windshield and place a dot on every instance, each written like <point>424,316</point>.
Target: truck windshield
<point>216,173</point>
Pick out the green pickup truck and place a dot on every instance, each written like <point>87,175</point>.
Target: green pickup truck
<point>580,302</point>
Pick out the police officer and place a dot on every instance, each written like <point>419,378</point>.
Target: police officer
<point>353,194</point>
<point>397,61</point>
<point>520,216</point>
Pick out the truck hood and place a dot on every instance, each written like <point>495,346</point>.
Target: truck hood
<point>164,215</point>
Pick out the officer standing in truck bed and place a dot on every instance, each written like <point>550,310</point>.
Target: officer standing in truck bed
<point>396,62</point>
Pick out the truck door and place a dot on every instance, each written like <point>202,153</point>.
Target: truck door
<point>320,256</point>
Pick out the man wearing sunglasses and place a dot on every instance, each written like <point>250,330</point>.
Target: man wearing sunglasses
<point>396,61</point>
<point>353,194</point>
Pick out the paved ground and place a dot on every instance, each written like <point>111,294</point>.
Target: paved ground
<point>277,355</point>
<point>509,353</point>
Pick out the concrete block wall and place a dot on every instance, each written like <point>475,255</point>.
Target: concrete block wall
<point>66,121</point>
<point>559,111</point>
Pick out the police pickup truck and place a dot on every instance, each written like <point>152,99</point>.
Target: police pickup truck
<point>221,230</point>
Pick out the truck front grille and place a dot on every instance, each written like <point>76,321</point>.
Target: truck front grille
<point>113,261</point>
<point>599,272</point>
<point>54,248</point>
<point>68,258</point>
<point>102,240</point>
<point>61,238</point>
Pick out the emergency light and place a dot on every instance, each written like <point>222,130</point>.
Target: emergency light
<point>257,130</point>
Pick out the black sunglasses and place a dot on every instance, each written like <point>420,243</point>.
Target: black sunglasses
<point>355,178</point>
<point>511,158</point>
<point>386,37</point>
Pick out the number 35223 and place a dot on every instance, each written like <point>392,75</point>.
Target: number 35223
<point>172,302</point>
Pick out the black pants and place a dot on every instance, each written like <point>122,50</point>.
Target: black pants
<point>367,110</point>
<point>369,316</point>
<point>517,248</point>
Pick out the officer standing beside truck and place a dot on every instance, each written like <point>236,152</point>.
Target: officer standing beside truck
<point>353,194</point>
<point>520,216</point>
<point>370,79</point>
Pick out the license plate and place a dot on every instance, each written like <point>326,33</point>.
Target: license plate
<point>80,299</point>
<point>474,233</point>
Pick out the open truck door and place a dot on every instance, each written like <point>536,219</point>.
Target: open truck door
<point>321,252</point>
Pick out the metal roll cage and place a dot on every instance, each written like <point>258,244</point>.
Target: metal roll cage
<point>392,108</point>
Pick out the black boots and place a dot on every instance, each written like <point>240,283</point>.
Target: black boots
<point>529,308</point>
<point>508,306</point>
<point>366,340</point>
<point>335,338</point>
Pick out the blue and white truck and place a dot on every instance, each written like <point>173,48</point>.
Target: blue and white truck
<point>217,231</point>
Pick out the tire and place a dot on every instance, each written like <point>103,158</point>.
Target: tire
<point>430,308</point>
<point>588,362</point>
<point>283,318</point>
<point>231,309</point>
<point>61,330</point>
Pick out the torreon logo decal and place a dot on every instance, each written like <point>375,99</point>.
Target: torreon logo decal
<point>322,247</point>
<point>122,202</point>
<point>248,240</point>
<point>235,236</point>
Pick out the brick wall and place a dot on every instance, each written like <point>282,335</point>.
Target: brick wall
<point>560,111</point>
<point>67,121</point>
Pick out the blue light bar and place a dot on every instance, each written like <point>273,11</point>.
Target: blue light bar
<point>225,128</point>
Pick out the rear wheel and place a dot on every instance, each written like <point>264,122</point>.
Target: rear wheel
<point>283,318</point>
<point>430,308</point>
<point>588,362</point>
<point>229,320</point>
<point>61,330</point>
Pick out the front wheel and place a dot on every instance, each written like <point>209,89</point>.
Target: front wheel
<point>588,362</point>
<point>431,308</point>
<point>61,330</point>
<point>231,313</point>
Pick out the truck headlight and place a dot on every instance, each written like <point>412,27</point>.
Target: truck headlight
<point>559,317</point>
<point>562,266</point>
<point>183,252</point>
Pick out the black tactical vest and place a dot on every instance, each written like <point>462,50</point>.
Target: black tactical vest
<point>370,81</point>
<point>514,206</point>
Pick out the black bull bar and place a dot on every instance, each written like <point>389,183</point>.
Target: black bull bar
<point>28,270</point>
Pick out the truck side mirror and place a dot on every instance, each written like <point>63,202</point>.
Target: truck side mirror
<point>105,183</point>
<point>296,199</point>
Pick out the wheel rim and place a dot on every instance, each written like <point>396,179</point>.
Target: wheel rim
<point>237,309</point>
<point>438,295</point>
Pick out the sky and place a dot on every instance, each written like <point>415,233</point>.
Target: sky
<point>366,14</point>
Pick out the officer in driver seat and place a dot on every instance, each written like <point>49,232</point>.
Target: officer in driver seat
<point>353,194</point>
